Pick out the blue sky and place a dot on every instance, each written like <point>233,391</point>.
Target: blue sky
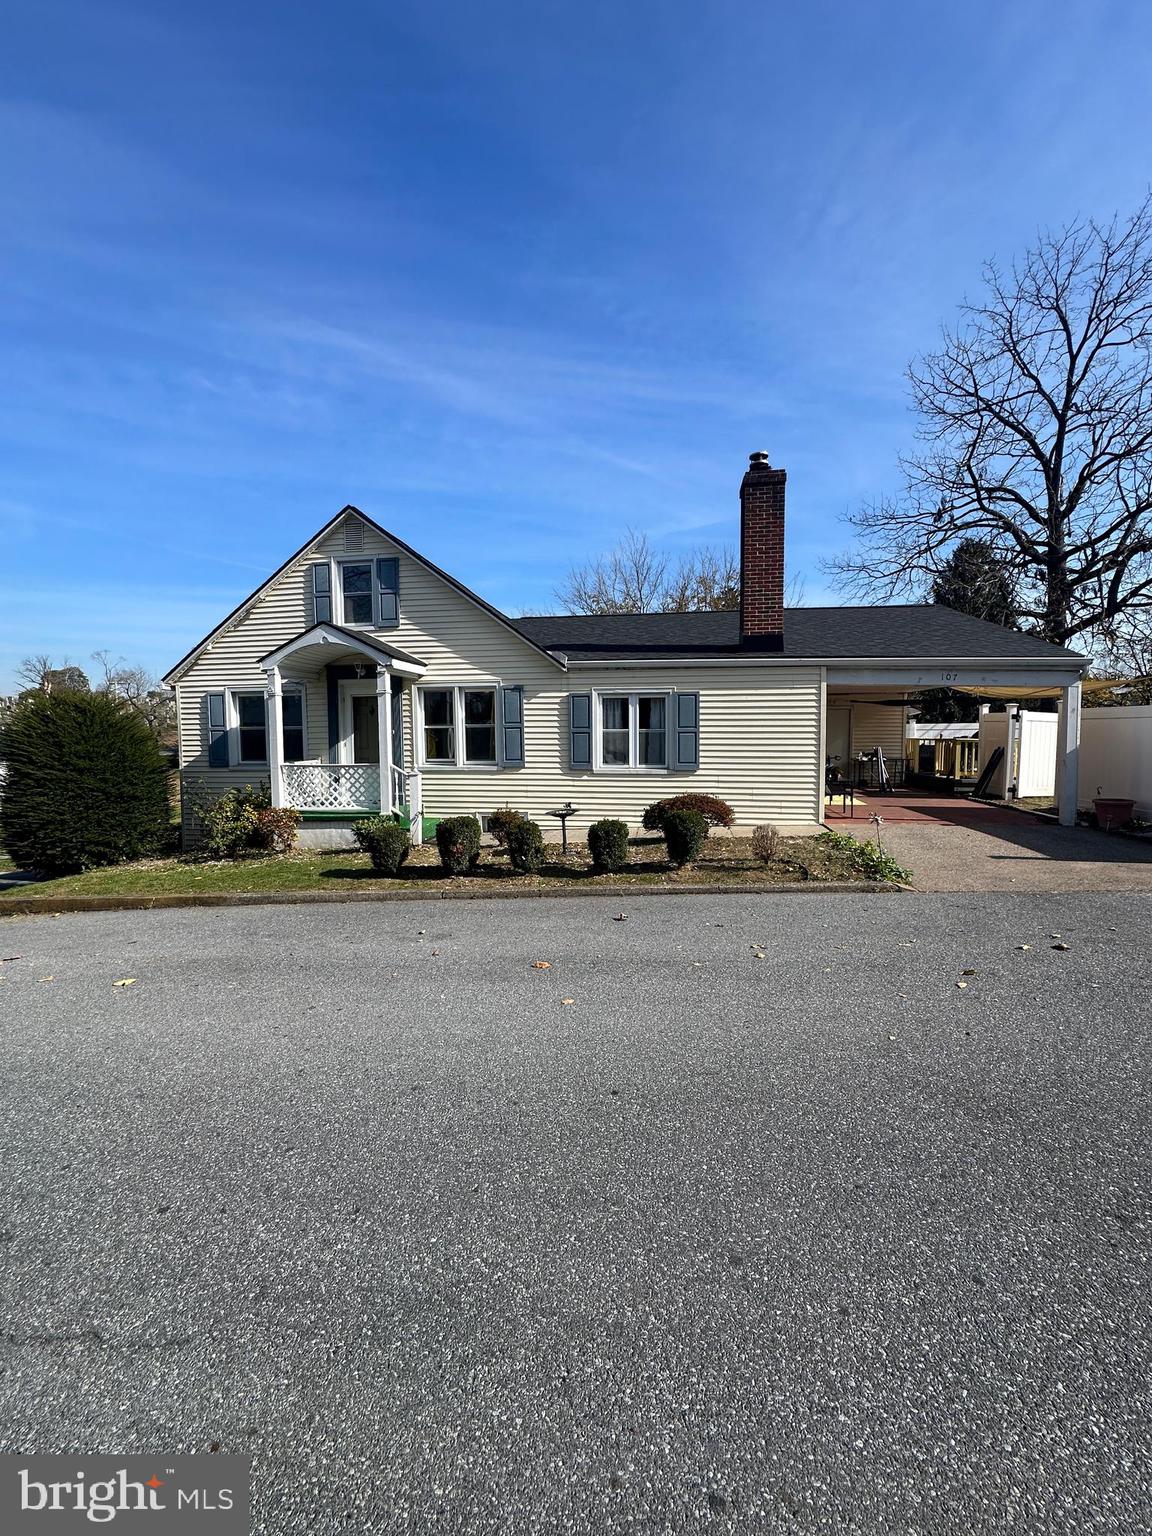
<point>507,276</point>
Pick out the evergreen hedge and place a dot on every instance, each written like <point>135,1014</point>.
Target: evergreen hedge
<point>86,784</point>
<point>608,845</point>
<point>458,843</point>
<point>525,846</point>
<point>385,842</point>
<point>684,834</point>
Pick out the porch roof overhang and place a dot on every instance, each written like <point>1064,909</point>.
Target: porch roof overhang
<point>334,642</point>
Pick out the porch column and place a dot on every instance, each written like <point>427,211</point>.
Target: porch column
<point>384,727</point>
<point>274,711</point>
<point>1068,755</point>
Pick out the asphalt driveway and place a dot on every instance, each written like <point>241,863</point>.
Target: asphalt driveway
<point>1011,852</point>
<point>819,1241</point>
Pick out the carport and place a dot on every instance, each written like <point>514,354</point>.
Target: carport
<point>868,699</point>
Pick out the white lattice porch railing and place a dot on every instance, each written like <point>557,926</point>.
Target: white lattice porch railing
<point>332,786</point>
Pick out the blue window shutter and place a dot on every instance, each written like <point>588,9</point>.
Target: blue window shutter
<point>512,726</point>
<point>580,730</point>
<point>322,593</point>
<point>217,730</point>
<point>686,712</point>
<point>388,580</point>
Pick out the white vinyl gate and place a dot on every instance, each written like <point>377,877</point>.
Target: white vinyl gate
<point>1033,767</point>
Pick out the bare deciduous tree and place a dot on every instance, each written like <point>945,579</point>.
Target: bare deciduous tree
<point>139,690</point>
<point>43,674</point>
<point>636,578</point>
<point>630,579</point>
<point>1036,434</point>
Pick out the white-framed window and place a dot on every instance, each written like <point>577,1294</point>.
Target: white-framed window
<point>366,592</point>
<point>357,593</point>
<point>249,711</point>
<point>632,731</point>
<point>458,726</point>
<point>251,728</point>
<point>292,708</point>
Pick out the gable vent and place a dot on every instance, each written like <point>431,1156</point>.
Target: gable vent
<point>353,536</point>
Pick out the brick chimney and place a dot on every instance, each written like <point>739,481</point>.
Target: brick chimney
<point>762,555</point>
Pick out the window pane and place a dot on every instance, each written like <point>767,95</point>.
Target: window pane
<point>616,747</point>
<point>479,725</point>
<point>437,706</point>
<point>293,727</point>
<point>653,744</point>
<point>615,714</point>
<point>357,581</point>
<point>250,708</point>
<point>358,609</point>
<point>480,743</point>
<point>479,706</point>
<point>614,737</point>
<point>439,741</point>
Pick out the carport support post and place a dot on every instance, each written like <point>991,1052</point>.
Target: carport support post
<point>1068,755</point>
<point>384,726</point>
<point>274,698</point>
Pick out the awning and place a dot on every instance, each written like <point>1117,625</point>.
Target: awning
<point>1024,690</point>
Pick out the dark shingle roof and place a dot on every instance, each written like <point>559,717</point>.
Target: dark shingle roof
<point>910,631</point>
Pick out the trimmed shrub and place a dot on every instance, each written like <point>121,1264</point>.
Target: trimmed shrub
<point>684,834</point>
<point>458,843</point>
<point>766,843</point>
<point>275,830</point>
<point>525,846</point>
<point>86,784</point>
<point>717,813</point>
<point>608,845</point>
<point>243,822</point>
<point>385,842</point>
<point>499,823</point>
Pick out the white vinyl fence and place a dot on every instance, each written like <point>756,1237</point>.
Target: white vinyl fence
<point>1033,769</point>
<point>1116,755</point>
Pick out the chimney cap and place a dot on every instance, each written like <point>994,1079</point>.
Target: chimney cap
<point>759,459</point>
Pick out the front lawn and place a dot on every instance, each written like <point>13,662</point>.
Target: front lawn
<point>724,859</point>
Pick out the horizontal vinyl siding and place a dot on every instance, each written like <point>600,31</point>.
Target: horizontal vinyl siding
<point>877,725</point>
<point>758,751</point>
<point>759,727</point>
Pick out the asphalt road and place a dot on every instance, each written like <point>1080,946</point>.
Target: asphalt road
<point>815,1242</point>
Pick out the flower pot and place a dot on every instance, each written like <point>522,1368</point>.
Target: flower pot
<point>1113,813</point>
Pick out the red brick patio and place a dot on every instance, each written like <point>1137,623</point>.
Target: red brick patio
<point>909,806</point>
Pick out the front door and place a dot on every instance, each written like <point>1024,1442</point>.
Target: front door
<point>365,730</point>
<point>359,727</point>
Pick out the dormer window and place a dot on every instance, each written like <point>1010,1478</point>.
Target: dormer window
<point>369,593</point>
<point>356,585</point>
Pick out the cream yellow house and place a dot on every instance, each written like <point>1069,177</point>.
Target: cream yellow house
<point>361,678</point>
